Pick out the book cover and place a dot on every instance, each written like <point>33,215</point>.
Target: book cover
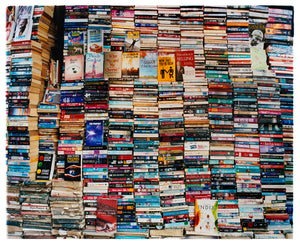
<point>130,64</point>
<point>206,217</point>
<point>148,64</point>
<point>94,66</point>
<point>112,65</point>
<point>94,133</point>
<point>132,41</point>
<point>76,38</point>
<point>73,168</point>
<point>23,23</point>
<point>166,69</point>
<point>10,22</point>
<point>73,67</point>
<point>95,41</point>
<point>106,221</point>
<point>52,96</point>
<point>45,167</point>
<point>258,59</point>
<point>185,65</point>
<point>257,33</point>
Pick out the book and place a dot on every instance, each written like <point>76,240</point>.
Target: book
<point>130,64</point>
<point>185,65</point>
<point>95,41</point>
<point>94,133</point>
<point>73,168</point>
<point>94,66</point>
<point>45,167</point>
<point>23,23</point>
<point>166,69</point>
<point>132,41</point>
<point>106,221</point>
<point>148,64</point>
<point>74,67</point>
<point>112,65</point>
<point>206,216</point>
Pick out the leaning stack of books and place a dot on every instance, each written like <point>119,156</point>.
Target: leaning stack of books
<point>145,21</point>
<point>279,36</point>
<point>35,210</point>
<point>23,96</point>
<point>67,209</point>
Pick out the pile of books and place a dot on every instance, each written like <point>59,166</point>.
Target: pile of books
<point>191,35</point>
<point>122,20</point>
<point>99,28</point>
<point>14,219</point>
<point>35,210</point>
<point>171,145</point>
<point>67,209</point>
<point>168,38</point>
<point>145,21</point>
<point>279,34</point>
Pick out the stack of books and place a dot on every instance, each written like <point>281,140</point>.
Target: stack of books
<point>279,34</point>
<point>171,145</point>
<point>168,38</point>
<point>99,28</point>
<point>35,210</point>
<point>245,117</point>
<point>271,151</point>
<point>67,209</point>
<point>94,154</point>
<point>191,35</point>
<point>14,219</point>
<point>145,21</point>
<point>72,99</point>
<point>23,96</point>
<point>122,20</point>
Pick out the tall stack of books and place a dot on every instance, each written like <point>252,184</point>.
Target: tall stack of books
<point>67,209</point>
<point>279,36</point>
<point>171,146</point>
<point>146,143</point>
<point>23,96</point>
<point>220,108</point>
<point>245,116</point>
<point>168,38</point>
<point>122,20</point>
<point>72,100</point>
<point>271,152</point>
<point>99,28</point>
<point>35,210</point>
<point>145,21</point>
<point>14,218</point>
<point>94,154</point>
<point>191,35</point>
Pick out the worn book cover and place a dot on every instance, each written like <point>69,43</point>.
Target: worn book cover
<point>148,64</point>
<point>94,133</point>
<point>206,217</point>
<point>132,41</point>
<point>94,66</point>
<point>95,41</point>
<point>106,221</point>
<point>130,64</point>
<point>185,65</point>
<point>166,69</point>
<point>112,65</point>
<point>74,67</point>
<point>23,23</point>
<point>73,168</point>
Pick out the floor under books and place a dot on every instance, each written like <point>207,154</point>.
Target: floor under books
<point>137,122</point>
